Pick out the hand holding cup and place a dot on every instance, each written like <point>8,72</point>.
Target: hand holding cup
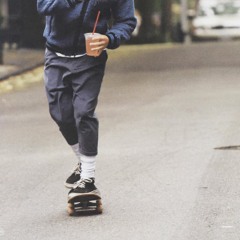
<point>95,43</point>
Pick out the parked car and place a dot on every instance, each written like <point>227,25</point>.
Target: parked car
<point>216,19</point>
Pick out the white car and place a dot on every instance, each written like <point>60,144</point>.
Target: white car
<point>216,19</point>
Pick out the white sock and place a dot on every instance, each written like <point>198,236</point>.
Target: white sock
<point>88,166</point>
<point>75,149</point>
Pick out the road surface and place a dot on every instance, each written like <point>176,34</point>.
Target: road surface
<point>163,112</point>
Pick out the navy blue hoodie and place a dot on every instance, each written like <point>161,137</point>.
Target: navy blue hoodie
<point>63,17</point>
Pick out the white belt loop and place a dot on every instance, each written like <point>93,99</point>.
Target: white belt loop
<point>71,56</point>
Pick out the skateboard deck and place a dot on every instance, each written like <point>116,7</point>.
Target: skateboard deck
<point>85,204</point>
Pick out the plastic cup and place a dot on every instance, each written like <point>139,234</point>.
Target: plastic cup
<point>89,39</point>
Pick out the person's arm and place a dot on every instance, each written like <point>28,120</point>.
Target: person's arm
<point>48,7</point>
<point>123,26</point>
<point>124,23</point>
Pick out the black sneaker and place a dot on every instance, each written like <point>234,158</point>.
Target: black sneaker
<point>85,187</point>
<point>74,178</point>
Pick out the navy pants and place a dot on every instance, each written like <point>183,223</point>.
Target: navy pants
<point>72,87</point>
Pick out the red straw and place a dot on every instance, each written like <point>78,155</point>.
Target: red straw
<point>96,22</point>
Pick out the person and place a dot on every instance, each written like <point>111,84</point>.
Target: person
<point>73,79</point>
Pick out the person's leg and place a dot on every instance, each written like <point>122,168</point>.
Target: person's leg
<point>86,87</point>
<point>59,94</point>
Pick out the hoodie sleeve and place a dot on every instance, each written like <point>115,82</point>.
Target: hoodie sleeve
<point>48,7</point>
<point>124,23</point>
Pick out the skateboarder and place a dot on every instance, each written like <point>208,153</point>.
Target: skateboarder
<point>73,79</point>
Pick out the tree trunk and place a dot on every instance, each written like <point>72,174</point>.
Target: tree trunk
<point>166,19</point>
<point>146,9</point>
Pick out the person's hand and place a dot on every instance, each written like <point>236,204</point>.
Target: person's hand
<point>99,43</point>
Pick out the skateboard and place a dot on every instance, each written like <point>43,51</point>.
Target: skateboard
<point>85,204</point>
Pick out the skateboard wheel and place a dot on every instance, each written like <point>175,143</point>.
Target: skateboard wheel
<point>70,209</point>
<point>99,207</point>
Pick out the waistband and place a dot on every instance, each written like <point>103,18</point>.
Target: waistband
<point>70,56</point>
<point>65,52</point>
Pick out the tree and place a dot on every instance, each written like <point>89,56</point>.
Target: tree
<point>156,20</point>
<point>166,23</point>
<point>146,9</point>
<point>1,43</point>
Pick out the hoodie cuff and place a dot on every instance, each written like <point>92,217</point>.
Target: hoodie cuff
<point>112,41</point>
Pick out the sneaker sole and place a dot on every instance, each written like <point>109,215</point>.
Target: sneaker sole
<point>94,195</point>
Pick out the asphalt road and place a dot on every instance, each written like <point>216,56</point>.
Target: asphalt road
<point>162,111</point>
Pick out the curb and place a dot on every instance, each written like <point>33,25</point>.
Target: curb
<point>20,71</point>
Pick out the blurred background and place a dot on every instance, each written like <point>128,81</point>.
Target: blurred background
<point>159,21</point>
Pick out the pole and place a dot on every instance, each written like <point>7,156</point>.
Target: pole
<point>184,21</point>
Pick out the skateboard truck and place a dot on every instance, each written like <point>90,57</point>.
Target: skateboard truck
<point>84,205</point>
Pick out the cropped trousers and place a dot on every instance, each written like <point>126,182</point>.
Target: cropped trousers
<point>72,88</point>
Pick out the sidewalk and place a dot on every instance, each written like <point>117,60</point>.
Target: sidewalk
<point>19,60</point>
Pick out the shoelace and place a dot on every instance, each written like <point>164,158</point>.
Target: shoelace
<point>82,182</point>
<point>77,170</point>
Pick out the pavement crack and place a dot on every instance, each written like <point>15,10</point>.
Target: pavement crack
<point>237,147</point>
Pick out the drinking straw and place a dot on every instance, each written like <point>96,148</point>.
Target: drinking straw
<point>96,22</point>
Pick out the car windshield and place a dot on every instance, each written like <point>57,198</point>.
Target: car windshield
<point>224,8</point>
